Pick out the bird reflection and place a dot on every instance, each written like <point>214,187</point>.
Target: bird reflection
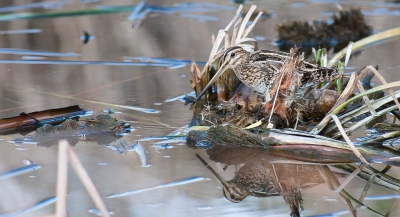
<point>264,175</point>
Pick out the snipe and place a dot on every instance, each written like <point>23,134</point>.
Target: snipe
<point>259,178</point>
<point>261,70</point>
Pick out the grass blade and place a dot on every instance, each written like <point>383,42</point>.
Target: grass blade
<point>347,139</point>
<point>373,90</point>
<point>366,42</point>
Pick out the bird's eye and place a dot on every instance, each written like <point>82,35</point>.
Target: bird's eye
<point>232,54</point>
<point>232,197</point>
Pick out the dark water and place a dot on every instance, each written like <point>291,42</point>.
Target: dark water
<point>26,87</point>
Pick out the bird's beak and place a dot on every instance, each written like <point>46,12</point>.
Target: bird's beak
<point>220,179</point>
<point>216,76</point>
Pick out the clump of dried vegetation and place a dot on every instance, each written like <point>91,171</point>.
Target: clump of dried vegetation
<point>103,130</point>
<point>239,37</point>
<point>238,119</point>
<point>346,26</point>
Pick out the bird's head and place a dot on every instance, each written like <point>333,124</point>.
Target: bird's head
<point>234,193</point>
<point>233,57</point>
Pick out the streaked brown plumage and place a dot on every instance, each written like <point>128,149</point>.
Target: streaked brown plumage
<point>260,69</point>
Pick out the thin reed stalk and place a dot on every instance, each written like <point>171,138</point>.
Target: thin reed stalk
<point>62,178</point>
<point>87,182</point>
<point>367,41</point>
<point>335,184</point>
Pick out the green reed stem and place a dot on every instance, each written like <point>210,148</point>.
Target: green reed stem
<point>339,81</point>
<point>54,14</point>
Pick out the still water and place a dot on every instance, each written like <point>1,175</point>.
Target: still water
<point>173,181</point>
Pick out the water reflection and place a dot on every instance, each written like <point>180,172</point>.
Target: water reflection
<point>263,174</point>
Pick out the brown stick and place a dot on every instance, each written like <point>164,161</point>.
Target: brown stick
<point>39,115</point>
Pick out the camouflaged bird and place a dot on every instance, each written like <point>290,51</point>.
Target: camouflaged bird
<point>267,71</point>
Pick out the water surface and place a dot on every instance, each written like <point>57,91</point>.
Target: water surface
<point>33,87</point>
